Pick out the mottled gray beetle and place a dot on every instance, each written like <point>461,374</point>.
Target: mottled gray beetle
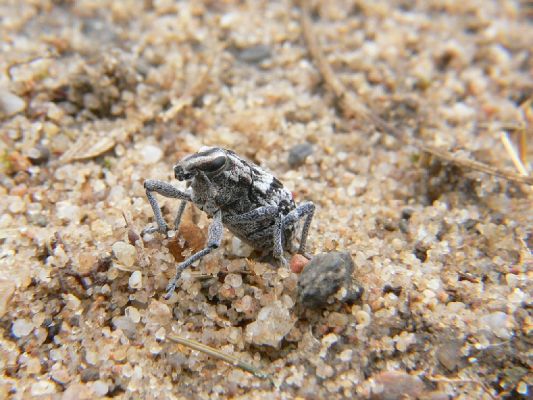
<point>250,202</point>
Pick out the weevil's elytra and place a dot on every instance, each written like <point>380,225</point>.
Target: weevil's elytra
<point>249,201</point>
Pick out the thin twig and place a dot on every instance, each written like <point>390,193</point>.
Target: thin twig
<point>477,382</point>
<point>513,154</point>
<point>193,344</point>
<point>352,106</point>
<point>527,130</point>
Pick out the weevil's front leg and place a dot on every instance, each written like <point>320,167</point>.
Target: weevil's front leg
<point>214,238</point>
<point>167,190</point>
<point>303,210</point>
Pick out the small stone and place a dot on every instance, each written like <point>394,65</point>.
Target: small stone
<point>100,388</point>
<point>363,319</point>
<point>396,385</point>
<point>239,248</point>
<point>87,262</point>
<point>77,391</point>
<point>449,354</point>
<point>61,375</point>
<point>234,280</point>
<point>21,327</point>
<point>324,276</point>
<point>151,154</point>
<point>101,228</point>
<point>125,253</point>
<point>15,205</point>
<point>298,263</point>
<point>255,54</point>
<point>126,325</point>
<point>38,155</point>
<point>133,314</point>
<point>90,374</point>
<point>298,154</point>
<point>10,104</point>
<point>159,313</point>
<point>496,323</point>
<point>68,212</point>
<point>273,323</point>
<point>346,355</point>
<point>42,388</point>
<point>136,280</point>
<point>7,288</point>
<point>133,237</point>
<point>161,334</point>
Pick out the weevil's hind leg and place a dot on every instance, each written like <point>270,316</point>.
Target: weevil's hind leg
<point>303,210</point>
<point>256,215</point>
<point>164,189</point>
<point>214,238</point>
<point>277,250</point>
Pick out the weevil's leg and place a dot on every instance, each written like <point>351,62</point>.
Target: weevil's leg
<point>177,221</point>
<point>303,210</point>
<point>277,250</point>
<point>214,238</point>
<point>256,215</point>
<point>164,189</point>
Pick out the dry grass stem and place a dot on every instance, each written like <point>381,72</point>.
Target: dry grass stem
<point>511,150</point>
<point>218,354</point>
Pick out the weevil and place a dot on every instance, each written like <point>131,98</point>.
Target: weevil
<point>237,194</point>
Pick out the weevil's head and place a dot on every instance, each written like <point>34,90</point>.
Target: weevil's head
<point>210,161</point>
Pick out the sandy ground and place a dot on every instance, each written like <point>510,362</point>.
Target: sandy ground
<point>97,96</point>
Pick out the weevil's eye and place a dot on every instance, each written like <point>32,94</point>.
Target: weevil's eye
<point>213,164</point>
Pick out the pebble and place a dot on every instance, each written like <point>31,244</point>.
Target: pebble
<point>90,374</point>
<point>151,154</point>
<point>126,325</point>
<point>68,212</point>
<point>125,253</point>
<point>496,323</point>
<point>7,288</point>
<point>363,319</point>
<point>255,54</point>
<point>324,276</point>
<point>21,327</point>
<point>298,263</point>
<point>239,248</point>
<point>87,262</point>
<point>133,314</point>
<point>100,388</point>
<point>234,280</point>
<point>136,280</point>
<point>395,385</point>
<point>298,154</point>
<point>273,323</point>
<point>38,155</point>
<point>42,388</point>
<point>449,354</point>
<point>10,104</point>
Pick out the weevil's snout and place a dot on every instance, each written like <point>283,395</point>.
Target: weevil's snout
<point>181,174</point>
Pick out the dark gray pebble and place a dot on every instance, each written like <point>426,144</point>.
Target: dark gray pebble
<point>299,153</point>
<point>255,54</point>
<point>38,155</point>
<point>324,276</point>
